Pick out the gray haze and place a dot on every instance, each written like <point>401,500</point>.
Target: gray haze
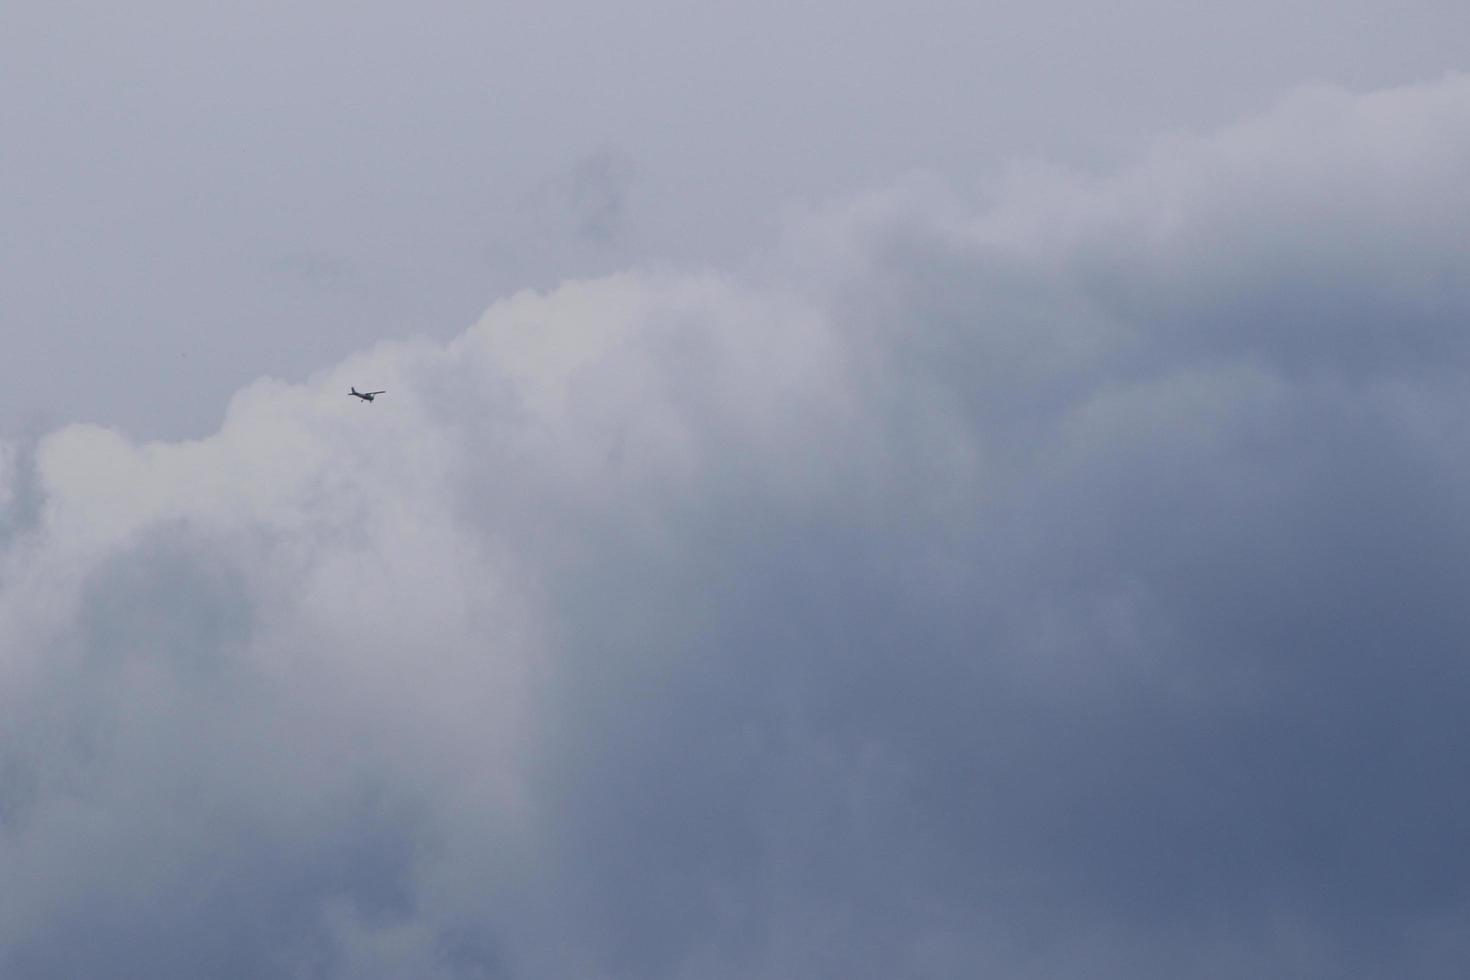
<point>193,195</point>
<point>1064,584</point>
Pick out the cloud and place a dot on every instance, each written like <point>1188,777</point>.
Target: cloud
<point>597,192</point>
<point>1064,587</point>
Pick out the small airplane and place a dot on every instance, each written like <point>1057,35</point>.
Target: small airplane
<point>366,396</point>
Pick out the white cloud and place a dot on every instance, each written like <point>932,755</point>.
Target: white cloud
<point>1051,571</point>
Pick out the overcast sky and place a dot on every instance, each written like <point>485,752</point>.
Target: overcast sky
<point>861,493</point>
<point>194,195</point>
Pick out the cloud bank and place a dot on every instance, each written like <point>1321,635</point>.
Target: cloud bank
<point>1067,586</point>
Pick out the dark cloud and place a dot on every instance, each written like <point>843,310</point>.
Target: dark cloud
<point>1068,590</point>
<point>597,190</point>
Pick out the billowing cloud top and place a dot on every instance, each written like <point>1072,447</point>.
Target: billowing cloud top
<point>1068,587</point>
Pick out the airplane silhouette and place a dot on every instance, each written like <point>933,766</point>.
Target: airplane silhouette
<point>366,396</point>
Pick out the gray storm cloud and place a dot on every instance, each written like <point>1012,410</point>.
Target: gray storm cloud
<point>1071,586</point>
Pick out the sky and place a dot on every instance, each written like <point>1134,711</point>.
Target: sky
<point>861,492</point>
<point>195,195</point>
